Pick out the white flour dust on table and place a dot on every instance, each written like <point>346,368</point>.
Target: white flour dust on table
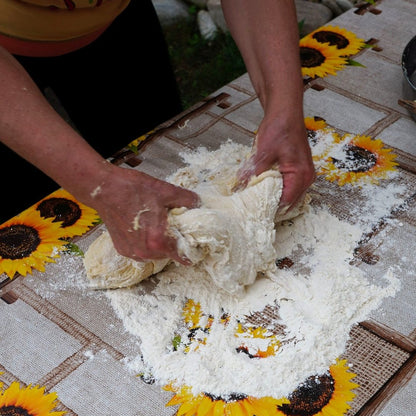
<point>193,333</point>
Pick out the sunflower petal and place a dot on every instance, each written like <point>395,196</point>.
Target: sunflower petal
<point>219,408</point>
<point>204,406</point>
<point>186,408</point>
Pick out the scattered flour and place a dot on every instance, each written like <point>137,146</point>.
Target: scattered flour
<point>317,301</point>
<point>65,274</point>
<point>369,203</point>
<point>377,205</point>
<point>96,191</point>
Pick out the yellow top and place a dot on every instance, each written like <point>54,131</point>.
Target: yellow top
<point>57,20</point>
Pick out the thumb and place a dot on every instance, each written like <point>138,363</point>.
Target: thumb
<point>181,197</point>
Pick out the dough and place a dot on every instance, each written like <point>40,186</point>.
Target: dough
<point>107,269</point>
<point>230,237</point>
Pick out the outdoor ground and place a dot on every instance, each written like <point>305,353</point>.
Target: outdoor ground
<point>201,67</point>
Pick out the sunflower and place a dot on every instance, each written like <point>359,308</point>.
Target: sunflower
<point>319,59</point>
<point>235,404</point>
<point>324,395</point>
<point>28,241</point>
<point>346,42</point>
<point>314,124</point>
<point>75,217</point>
<point>267,346</point>
<point>321,138</point>
<point>198,324</point>
<point>192,313</point>
<point>28,401</point>
<point>361,160</point>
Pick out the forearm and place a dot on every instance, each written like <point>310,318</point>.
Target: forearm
<point>122,197</point>
<point>266,33</point>
<point>31,127</point>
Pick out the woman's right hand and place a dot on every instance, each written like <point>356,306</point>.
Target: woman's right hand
<point>134,206</point>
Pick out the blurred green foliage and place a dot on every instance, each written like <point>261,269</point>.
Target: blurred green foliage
<point>201,66</point>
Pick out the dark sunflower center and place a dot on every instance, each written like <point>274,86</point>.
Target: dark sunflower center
<point>233,397</point>
<point>356,160</point>
<point>334,39</point>
<point>311,397</point>
<point>13,411</point>
<point>61,209</point>
<point>312,137</point>
<point>18,241</point>
<point>311,57</point>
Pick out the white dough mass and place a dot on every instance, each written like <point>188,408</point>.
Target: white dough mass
<point>230,236</point>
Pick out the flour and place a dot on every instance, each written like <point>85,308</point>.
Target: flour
<point>202,344</point>
<point>377,205</point>
<point>136,220</point>
<point>96,191</point>
<point>65,274</point>
<point>369,203</point>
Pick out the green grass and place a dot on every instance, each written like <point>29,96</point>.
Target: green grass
<point>201,67</point>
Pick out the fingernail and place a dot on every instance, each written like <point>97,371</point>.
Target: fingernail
<point>283,209</point>
<point>186,261</point>
<point>237,187</point>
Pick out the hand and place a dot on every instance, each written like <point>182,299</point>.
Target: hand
<point>134,207</point>
<point>288,150</point>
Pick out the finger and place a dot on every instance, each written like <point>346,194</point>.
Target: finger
<point>171,245</point>
<point>295,185</point>
<point>181,197</point>
<point>259,162</point>
<point>182,259</point>
<point>292,190</point>
<point>283,210</point>
<point>246,172</point>
<point>159,243</point>
<point>167,246</point>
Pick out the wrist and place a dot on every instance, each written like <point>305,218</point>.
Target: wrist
<point>91,181</point>
<point>284,126</point>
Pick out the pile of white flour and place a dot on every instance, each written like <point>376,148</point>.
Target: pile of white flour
<point>317,300</point>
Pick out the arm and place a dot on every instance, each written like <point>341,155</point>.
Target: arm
<point>266,33</point>
<point>30,127</point>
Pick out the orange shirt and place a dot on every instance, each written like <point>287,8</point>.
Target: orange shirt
<point>54,27</point>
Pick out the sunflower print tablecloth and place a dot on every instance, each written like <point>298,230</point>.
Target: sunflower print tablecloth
<point>63,349</point>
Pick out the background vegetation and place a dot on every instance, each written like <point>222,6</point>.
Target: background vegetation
<point>201,66</point>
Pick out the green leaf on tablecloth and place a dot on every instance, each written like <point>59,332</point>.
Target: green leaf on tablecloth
<point>176,341</point>
<point>351,62</point>
<point>72,248</point>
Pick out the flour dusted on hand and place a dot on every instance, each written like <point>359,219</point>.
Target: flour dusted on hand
<point>230,236</point>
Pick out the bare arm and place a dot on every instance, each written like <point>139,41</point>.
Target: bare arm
<point>266,33</point>
<point>30,127</point>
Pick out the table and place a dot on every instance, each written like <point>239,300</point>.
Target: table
<point>58,335</point>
